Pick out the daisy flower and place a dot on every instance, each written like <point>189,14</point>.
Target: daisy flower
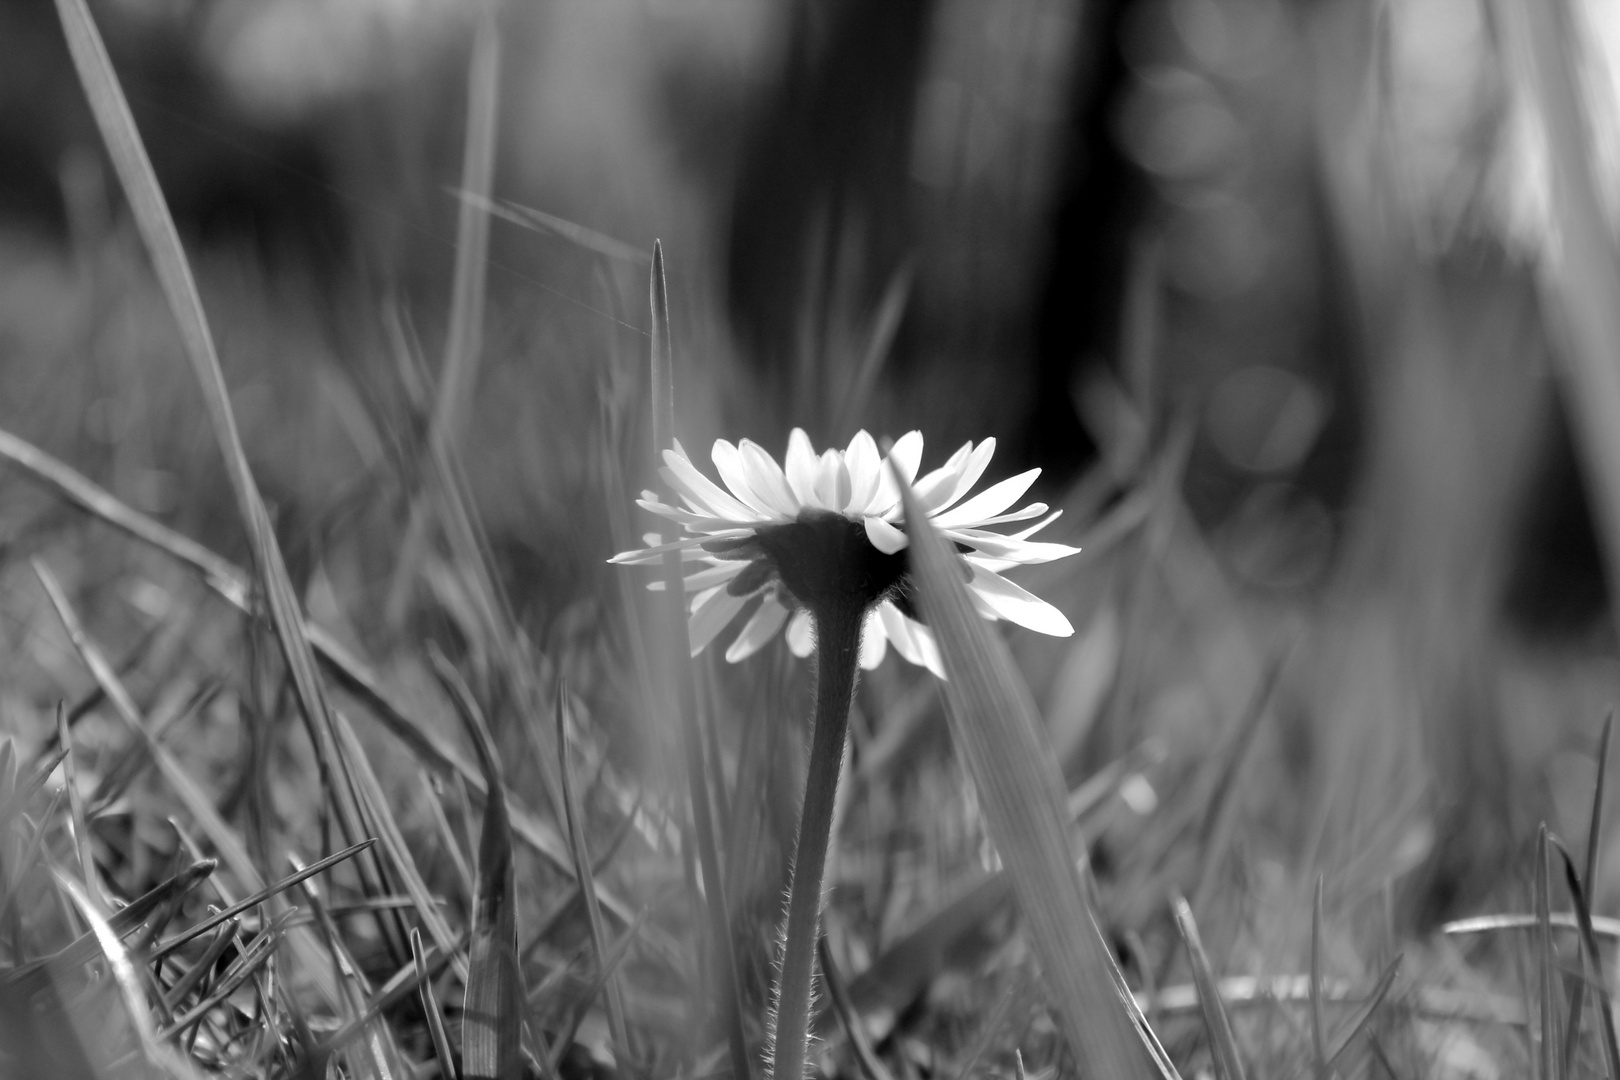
<point>828,530</point>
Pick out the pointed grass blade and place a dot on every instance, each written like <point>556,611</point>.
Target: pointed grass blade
<point>1594,960</point>
<point>677,653</point>
<point>430,1009</point>
<point>1548,1060</point>
<point>999,740</point>
<point>1217,1025</point>
<point>1359,1020</point>
<point>492,1016</point>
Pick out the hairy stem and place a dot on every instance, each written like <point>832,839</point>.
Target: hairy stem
<point>838,647</point>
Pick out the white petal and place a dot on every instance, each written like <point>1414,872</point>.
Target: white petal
<point>832,481</point>
<point>801,634</point>
<point>705,579</point>
<point>760,629</point>
<point>926,645</point>
<point>728,462</point>
<point>1017,605</point>
<point>944,476</point>
<point>989,502</point>
<point>906,454</point>
<point>654,553</point>
<point>767,478</point>
<point>894,625</point>
<point>1017,552</point>
<point>865,470</point>
<point>885,537</point>
<point>697,522</point>
<point>972,469</point>
<point>874,642</point>
<point>704,493</point>
<point>712,616</point>
<point>801,467</point>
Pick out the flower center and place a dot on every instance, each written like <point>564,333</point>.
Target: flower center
<point>826,561</point>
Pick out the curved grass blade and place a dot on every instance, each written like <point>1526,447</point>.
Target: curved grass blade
<point>1365,1014</point>
<point>1594,957</point>
<point>1594,834</point>
<point>123,922</point>
<point>1217,1025</point>
<point>492,1016</point>
<point>999,739</point>
<point>128,980</point>
<point>430,1009</point>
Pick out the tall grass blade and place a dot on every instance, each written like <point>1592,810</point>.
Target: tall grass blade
<point>1318,1024</point>
<point>1217,1025</point>
<point>463,343</point>
<point>81,827</point>
<point>492,1017</point>
<point>1594,841</point>
<point>1594,958</point>
<point>999,739</point>
<point>430,1009</point>
<point>162,243</point>
<point>1548,1061</point>
<point>584,874</point>
<point>678,651</point>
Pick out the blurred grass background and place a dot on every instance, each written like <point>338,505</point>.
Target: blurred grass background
<point>1285,298</point>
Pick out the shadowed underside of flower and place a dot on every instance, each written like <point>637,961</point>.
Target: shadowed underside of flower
<point>828,530</point>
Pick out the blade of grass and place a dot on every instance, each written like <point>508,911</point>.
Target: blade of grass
<point>127,980</point>
<point>593,986</point>
<point>677,637</point>
<point>124,921</point>
<point>1360,1020</point>
<point>226,936</point>
<point>431,1010</point>
<point>1000,741</point>
<point>583,873</point>
<point>463,344</point>
<point>156,227</point>
<point>81,828</point>
<point>1594,958</point>
<point>256,899</point>
<point>1594,835</point>
<point>1318,1025</point>
<point>1547,1059</point>
<point>30,853</point>
<point>492,1017</point>
<point>1217,1025</point>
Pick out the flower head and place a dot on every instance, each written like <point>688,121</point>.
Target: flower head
<point>829,529</point>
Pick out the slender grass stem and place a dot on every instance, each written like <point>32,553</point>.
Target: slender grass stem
<point>838,635</point>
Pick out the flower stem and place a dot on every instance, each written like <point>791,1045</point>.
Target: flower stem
<point>838,647</point>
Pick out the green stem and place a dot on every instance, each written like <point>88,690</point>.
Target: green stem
<point>838,648</point>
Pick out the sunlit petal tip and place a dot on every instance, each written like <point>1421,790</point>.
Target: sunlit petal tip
<point>885,537</point>
<point>801,634</point>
